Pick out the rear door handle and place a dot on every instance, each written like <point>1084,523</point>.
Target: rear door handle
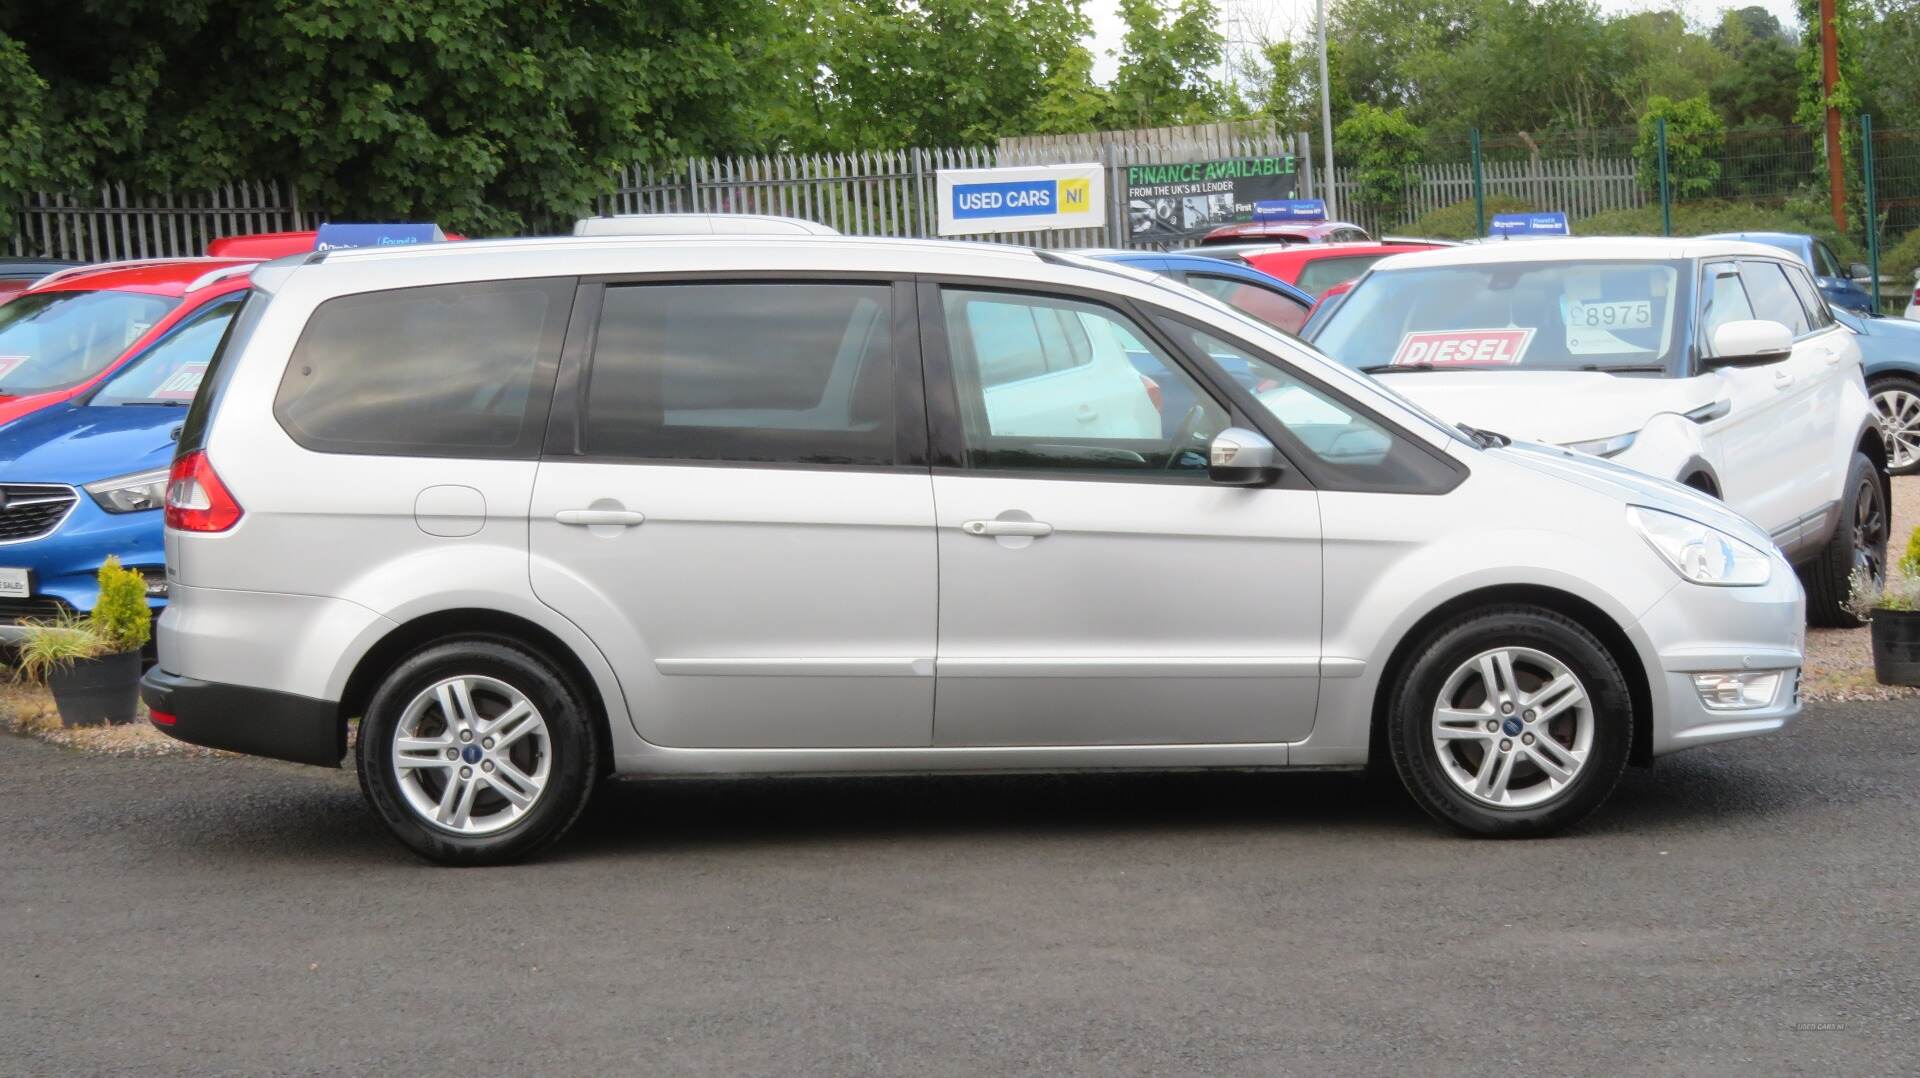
<point>624,518</point>
<point>1031,528</point>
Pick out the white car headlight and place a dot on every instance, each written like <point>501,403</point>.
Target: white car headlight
<point>1604,447</point>
<point>1701,554</point>
<point>131,493</point>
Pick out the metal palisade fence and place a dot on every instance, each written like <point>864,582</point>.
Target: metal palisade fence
<point>893,193</point>
<point>110,223</point>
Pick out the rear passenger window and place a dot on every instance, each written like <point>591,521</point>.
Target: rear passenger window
<point>797,373</point>
<point>1773,297</point>
<point>1810,298</point>
<point>441,370</point>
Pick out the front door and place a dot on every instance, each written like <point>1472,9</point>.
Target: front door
<point>739,518</point>
<point>1754,443</point>
<point>1095,587</point>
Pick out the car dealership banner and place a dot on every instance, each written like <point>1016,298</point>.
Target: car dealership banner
<point>1033,198</point>
<point>1166,203</point>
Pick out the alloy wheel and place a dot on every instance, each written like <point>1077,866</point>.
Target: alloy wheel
<point>1870,529</point>
<point>1898,411</point>
<point>1513,727</point>
<point>472,754</point>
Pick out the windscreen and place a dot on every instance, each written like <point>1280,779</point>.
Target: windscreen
<point>51,340</point>
<point>1596,315</point>
<point>169,372</point>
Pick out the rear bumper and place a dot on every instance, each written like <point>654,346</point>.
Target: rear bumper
<point>238,718</point>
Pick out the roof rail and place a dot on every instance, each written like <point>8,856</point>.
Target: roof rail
<point>74,271</point>
<point>215,275</point>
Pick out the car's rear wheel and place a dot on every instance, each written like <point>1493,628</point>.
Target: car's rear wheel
<point>1510,721</point>
<point>1858,546</point>
<point>1896,404</point>
<point>476,752</point>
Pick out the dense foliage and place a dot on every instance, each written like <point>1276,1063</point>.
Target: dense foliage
<point>1382,148</point>
<point>498,115</point>
<point>1695,140</point>
<point>483,114</point>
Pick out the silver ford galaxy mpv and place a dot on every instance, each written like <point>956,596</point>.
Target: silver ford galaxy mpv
<point>539,512</point>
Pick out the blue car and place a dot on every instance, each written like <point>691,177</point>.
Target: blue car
<point>1835,281</point>
<point>1260,296</point>
<point>87,478</point>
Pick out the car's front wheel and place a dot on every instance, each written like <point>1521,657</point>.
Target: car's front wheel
<point>1896,404</point>
<point>1510,721</point>
<point>476,752</point>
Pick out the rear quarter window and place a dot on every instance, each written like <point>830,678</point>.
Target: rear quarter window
<point>461,370</point>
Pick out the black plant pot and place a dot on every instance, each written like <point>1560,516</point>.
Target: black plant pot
<point>95,691</point>
<point>1896,647</point>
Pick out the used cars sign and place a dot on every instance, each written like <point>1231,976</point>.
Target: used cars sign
<point>984,200</point>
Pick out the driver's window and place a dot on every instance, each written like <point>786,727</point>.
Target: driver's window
<point>1059,385</point>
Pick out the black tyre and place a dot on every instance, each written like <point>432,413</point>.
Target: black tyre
<point>1858,543</point>
<point>1896,404</point>
<point>477,752</point>
<point>1510,721</point>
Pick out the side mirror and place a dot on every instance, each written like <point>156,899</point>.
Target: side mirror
<point>1859,271</point>
<point>1750,342</point>
<point>1239,457</point>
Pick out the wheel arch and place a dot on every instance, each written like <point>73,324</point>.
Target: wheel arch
<point>1584,613</point>
<point>475,623</point>
<point>1874,445</point>
<point>1699,475</point>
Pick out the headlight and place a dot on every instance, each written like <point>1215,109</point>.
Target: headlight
<point>1699,553</point>
<point>131,493</point>
<point>1604,447</point>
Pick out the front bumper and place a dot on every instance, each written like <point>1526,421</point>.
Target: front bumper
<point>1698,630</point>
<point>238,718</point>
<point>65,563</point>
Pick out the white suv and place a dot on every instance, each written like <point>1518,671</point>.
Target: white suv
<point>1714,363</point>
<point>537,512</point>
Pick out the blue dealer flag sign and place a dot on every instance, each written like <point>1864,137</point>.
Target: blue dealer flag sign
<point>985,200</point>
<point>1290,209</point>
<point>333,237</point>
<point>1507,225</point>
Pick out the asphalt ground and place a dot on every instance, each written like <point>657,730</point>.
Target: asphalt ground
<point>1744,909</point>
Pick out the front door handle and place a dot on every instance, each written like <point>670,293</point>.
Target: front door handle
<point>1032,529</point>
<point>1783,379</point>
<point>584,518</point>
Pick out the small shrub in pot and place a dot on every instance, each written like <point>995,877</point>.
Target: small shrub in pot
<point>1892,607</point>
<point>92,663</point>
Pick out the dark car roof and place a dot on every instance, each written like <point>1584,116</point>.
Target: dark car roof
<point>32,267</point>
<point>1194,263</point>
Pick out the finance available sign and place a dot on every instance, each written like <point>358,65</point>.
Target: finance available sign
<point>1173,202</point>
<point>977,201</point>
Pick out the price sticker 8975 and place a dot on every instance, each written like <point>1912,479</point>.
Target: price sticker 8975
<point>1611,314</point>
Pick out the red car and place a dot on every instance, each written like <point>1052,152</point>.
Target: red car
<point>1286,232</point>
<point>1320,266</point>
<point>63,336</point>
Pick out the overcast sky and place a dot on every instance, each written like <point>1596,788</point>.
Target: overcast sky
<point>1247,21</point>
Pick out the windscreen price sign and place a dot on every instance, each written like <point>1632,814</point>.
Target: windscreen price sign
<point>978,201</point>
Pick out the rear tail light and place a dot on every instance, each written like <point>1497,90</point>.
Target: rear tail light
<point>162,718</point>
<point>196,499</point>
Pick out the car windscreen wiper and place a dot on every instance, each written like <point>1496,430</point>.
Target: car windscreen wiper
<point>1382,368</point>
<point>151,404</point>
<point>1485,439</point>
<point>1625,368</point>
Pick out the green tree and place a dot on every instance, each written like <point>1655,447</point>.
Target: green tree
<point>486,115</point>
<point>878,74</point>
<point>1383,149</point>
<point>1696,139</point>
<point>1888,43</point>
<point>1658,55</point>
<point>1169,64</point>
